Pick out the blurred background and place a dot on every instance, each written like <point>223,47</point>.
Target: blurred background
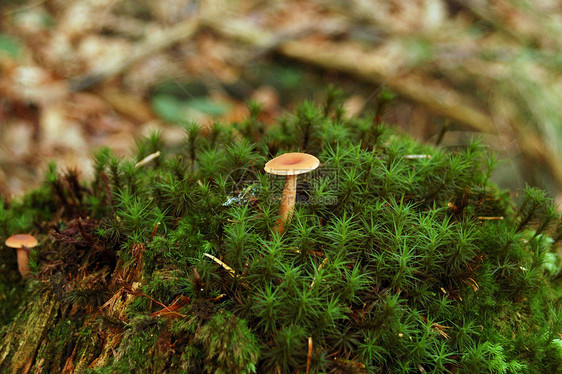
<point>76,75</point>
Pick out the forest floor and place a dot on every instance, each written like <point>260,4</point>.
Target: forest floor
<point>79,75</point>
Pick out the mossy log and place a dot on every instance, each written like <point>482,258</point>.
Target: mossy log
<point>51,335</point>
<point>27,333</point>
<point>398,258</point>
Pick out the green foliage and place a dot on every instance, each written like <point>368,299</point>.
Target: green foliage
<point>388,263</point>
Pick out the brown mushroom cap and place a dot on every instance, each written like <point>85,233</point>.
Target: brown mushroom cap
<point>21,240</point>
<point>292,164</point>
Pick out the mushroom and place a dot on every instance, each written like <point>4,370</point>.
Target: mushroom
<point>290,165</point>
<point>22,243</point>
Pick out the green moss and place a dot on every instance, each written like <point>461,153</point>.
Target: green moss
<point>229,346</point>
<point>139,349</point>
<point>387,265</point>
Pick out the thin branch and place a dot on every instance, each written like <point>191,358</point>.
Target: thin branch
<point>371,66</point>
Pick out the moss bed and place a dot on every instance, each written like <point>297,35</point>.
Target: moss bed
<point>399,258</point>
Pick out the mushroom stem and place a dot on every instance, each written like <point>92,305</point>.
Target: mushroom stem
<point>290,164</point>
<point>287,203</point>
<point>23,262</point>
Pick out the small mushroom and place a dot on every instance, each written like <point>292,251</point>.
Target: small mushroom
<point>290,165</point>
<point>22,243</point>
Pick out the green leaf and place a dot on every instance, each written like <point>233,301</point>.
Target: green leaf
<point>172,109</point>
<point>169,108</point>
<point>9,46</point>
<point>207,106</point>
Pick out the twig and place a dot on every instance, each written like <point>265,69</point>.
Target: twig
<point>319,268</point>
<point>225,266</point>
<point>413,157</point>
<point>136,293</point>
<point>230,270</point>
<point>441,330</point>
<point>147,159</point>
<point>154,230</point>
<point>171,310</point>
<point>25,7</point>
<point>472,283</point>
<point>371,66</point>
<point>367,65</point>
<point>309,356</point>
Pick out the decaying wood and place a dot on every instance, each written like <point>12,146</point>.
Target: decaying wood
<point>27,347</point>
<point>25,335</point>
